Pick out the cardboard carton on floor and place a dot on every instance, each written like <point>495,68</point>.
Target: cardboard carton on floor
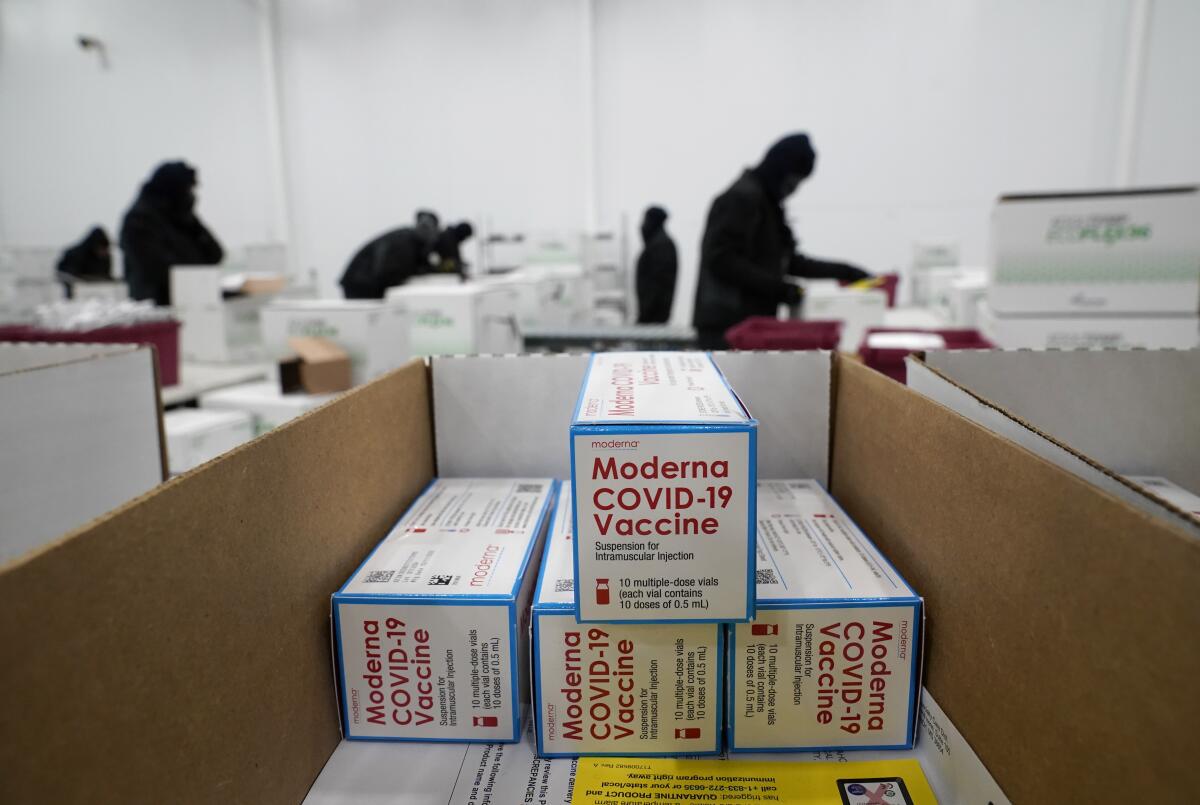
<point>373,334</point>
<point>92,683</point>
<point>631,689</point>
<point>833,657</point>
<point>268,406</point>
<point>460,319</point>
<point>663,461</point>
<point>196,436</point>
<point>431,632</point>
<point>1121,252</point>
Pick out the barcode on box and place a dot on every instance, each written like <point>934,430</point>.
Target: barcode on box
<point>529,489</point>
<point>380,576</point>
<point>765,577</point>
<point>564,586</point>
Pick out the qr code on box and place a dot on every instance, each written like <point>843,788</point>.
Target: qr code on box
<point>440,580</point>
<point>766,576</point>
<point>379,576</point>
<point>564,586</point>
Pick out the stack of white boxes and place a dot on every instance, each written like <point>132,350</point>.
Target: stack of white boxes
<point>373,333</point>
<point>214,329</point>
<point>459,318</point>
<point>1084,270</point>
<point>27,280</point>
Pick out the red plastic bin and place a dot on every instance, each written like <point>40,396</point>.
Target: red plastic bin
<point>890,361</point>
<point>764,332</point>
<point>162,335</point>
<point>888,282</point>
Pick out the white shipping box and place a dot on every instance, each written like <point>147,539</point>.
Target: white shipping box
<point>857,308</point>
<point>214,329</point>
<point>374,334</point>
<point>1121,252</point>
<point>964,297</point>
<point>833,657</point>
<point>461,319</point>
<point>268,406</point>
<point>1088,332</point>
<point>663,465</point>
<point>618,689</point>
<point>431,632</point>
<point>1174,494</point>
<point>195,437</point>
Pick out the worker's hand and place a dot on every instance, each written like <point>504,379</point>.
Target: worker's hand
<point>792,294</point>
<point>853,273</point>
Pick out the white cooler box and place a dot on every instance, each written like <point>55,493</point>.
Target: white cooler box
<point>374,334</point>
<point>1088,332</point>
<point>264,402</point>
<point>195,437</point>
<point>857,308</point>
<point>463,319</point>
<point>214,329</point>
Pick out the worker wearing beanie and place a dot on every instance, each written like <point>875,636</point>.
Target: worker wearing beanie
<point>657,266</point>
<point>748,247</point>
<point>162,230</point>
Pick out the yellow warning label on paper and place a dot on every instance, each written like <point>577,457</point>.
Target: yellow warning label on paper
<point>621,781</point>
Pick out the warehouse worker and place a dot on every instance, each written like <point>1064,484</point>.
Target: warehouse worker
<point>448,249</point>
<point>89,260</point>
<point>657,266</point>
<point>392,258</point>
<point>748,247</point>
<point>161,230</point>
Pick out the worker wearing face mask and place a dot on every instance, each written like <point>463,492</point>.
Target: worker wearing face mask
<point>748,248</point>
<point>162,230</point>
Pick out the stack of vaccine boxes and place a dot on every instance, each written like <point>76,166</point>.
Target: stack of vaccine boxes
<point>648,560</point>
<point>431,632</point>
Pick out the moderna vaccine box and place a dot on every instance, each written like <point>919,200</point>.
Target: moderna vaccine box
<point>631,689</point>
<point>833,657</point>
<point>431,632</point>
<point>663,457</point>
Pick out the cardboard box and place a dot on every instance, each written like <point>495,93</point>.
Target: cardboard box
<point>462,319</point>
<point>857,308</point>
<point>81,434</point>
<point>195,436</point>
<point>663,462</point>
<point>1089,332</point>
<point>431,632</point>
<point>374,334</point>
<point>981,526</point>
<point>1130,252</point>
<point>268,406</point>
<point>833,657</point>
<point>318,367</point>
<point>618,689</point>
<point>1174,494</point>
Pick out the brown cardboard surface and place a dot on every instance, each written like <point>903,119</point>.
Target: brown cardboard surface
<point>177,650</point>
<point>319,367</point>
<point>1061,621</point>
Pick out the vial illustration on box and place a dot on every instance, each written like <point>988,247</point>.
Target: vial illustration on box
<point>601,592</point>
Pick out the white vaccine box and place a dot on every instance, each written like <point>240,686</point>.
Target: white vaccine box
<point>833,657</point>
<point>663,464</point>
<point>634,689</point>
<point>431,632</point>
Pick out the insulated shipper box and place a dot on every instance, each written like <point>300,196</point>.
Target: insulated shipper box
<point>431,632</point>
<point>663,458</point>
<point>633,689</point>
<point>833,657</point>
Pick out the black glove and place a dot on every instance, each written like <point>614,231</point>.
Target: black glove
<point>851,273</point>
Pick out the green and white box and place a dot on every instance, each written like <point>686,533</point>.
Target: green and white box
<point>431,633</point>
<point>1118,252</point>
<point>373,334</point>
<point>460,318</point>
<point>833,657</point>
<point>663,462</point>
<point>633,689</point>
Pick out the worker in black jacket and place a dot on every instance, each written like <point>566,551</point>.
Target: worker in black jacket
<point>657,266</point>
<point>89,260</point>
<point>448,248</point>
<point>392,259</point>
<point>748,248</point>
<point>162,230</point>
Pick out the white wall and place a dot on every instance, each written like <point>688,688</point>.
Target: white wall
<point>1168,137</point>
<point>921,112</point>
<point>472,109</point>
<point>185,79</point>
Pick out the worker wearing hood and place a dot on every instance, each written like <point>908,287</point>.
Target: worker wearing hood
<point>392,258</point>
<point>89,260</point>
<point>162,230</point>
<point>748,248</point>
<point>657,266</point>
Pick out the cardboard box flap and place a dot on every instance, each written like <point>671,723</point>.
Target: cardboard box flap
<point>1087,411</point>
<point>1059,618</point>
<point>178,647</point>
